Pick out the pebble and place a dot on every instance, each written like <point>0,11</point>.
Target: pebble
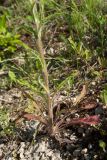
<point>50,153</point>
<point>27,153</point>
<point>30,157</point>
<point>97,100</point>
<point>74,99</point>
<point>36,157</point>
<point>90,146</point>
<point>77,152</point>
<point>66,134</point>
<point>105,107</point>
<point>1,153</point>
<point>86,157</point>
<point>9,158</point>
<point>93,83</point>
<point>64,93</point>
<point>73,137</point>
<point>52,51</point>
<point>98,110</point>
<point>84,151</point>
<point>83,134</point>
<point>31,149</point>
<point>92,91</point>
<point>80,130</point>
<point>89,130</point>
<point>21,155</point>
<point>69,147</point>
<point>57,154</point>
<point>95,156</point>
<point>22,144</point>
<point>68,119</point>
<point>77,115</point>
<point>1,146</point>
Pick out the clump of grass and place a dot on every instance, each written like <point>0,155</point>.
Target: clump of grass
<point>87,25</point>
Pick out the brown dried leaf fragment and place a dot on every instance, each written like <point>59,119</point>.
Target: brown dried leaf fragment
<point>81,95</point>
<point>30,116</point>
<point>89,105</point>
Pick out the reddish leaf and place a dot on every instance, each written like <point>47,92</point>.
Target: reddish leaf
<point>30,116</point>
<point>91,120</point>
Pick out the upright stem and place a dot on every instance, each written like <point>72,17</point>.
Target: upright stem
<point>42,53</point>
<point>38,12</point>
<point>45,75</point>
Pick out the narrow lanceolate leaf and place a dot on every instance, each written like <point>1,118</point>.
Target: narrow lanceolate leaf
<point>12,76</point>
<point>91,120</point>
<point>81,95</point>
<point>104,96</point>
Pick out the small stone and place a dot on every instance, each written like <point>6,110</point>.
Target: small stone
<point>30,157</point>
<point>84,151</point>
<point>10,99</point>
<point>1,153</point>
<point>68,119</point>
<point>80,130</point>
<point>42,147</point>
<point>1,145</point>
<point>62,115</point>
<point>74,99</point>
<point>90,146</point>
<point>105,107</point>
<point>69,147</point>
<point>95,156</point>
<point>73,137</point>
<point>77,152</point>
<point>97,100</point>
<point>64,93</point>
<point>31,149</point>
<point>10,158</point>
<point>93,92</point>
<point>21,155</point>
<point>52,50</point>
<point>86,157</point>
<point>98,110</point>
<point>22,144</point>
<point>49,153</point>
<point>36,154</point>
<point>89,130</point>
<point>27,153</point>
<point>66,134</point>
<point>83,134</point>
<point>93,83</point>
<point>77,115</point>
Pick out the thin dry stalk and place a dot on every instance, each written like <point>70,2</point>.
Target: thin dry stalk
<point>38,12</point>
<point>45,75</point>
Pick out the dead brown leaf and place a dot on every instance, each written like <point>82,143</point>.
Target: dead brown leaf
<point>81,95</point>
<point>89,105</point>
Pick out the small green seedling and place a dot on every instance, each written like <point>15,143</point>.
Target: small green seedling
<point>102,144</point>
